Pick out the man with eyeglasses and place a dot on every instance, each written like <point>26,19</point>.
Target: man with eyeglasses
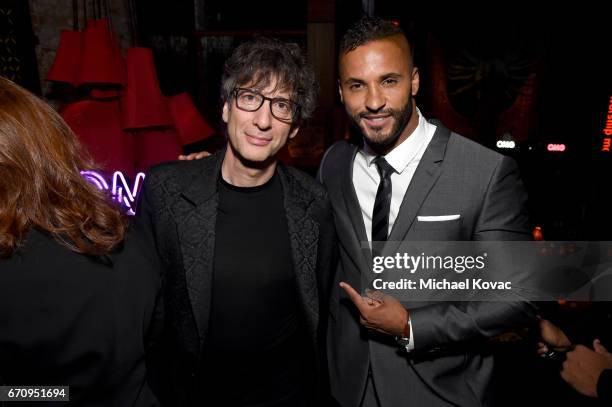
<point>248,245</point>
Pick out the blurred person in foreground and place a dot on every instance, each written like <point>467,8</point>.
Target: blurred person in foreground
<point>78,287</point>
<point>588,371</point>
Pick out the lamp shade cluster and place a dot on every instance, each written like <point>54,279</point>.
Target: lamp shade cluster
<point>125,121</point>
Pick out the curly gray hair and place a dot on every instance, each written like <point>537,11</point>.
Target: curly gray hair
<point>262,61</point>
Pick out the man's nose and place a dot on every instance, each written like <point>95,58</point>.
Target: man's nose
<point>375,99</point>
<point>263,116</point>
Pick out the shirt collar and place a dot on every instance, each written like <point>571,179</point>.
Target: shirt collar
<point>403,154</point>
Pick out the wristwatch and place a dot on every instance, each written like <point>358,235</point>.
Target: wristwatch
<point>404,339</point>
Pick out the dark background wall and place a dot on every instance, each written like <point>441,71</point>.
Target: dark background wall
<point>487,73</point>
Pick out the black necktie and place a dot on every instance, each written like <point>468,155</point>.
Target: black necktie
<point>382,203</point>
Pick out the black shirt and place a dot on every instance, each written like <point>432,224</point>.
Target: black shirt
<point>252,354</point>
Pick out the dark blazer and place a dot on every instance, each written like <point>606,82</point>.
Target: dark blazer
<point>178,204</point>
<point>67,319</point>
<point>454,176</point>
<point>604,387</point>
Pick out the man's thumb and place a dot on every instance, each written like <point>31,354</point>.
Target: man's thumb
<point>599,348</point>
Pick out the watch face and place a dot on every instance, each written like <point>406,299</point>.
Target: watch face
<point>402,341</point>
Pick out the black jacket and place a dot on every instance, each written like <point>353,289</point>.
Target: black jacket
<point>604,387</point>
<point>178,204</point>
<point>67,319</point>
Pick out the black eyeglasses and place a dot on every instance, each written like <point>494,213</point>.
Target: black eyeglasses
<point>250,100</point>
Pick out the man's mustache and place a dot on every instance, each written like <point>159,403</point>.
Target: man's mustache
<point>390,112</point>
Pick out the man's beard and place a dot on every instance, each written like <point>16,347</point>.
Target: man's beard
<point>383,141</point>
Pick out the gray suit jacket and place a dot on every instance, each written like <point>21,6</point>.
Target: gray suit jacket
<point>447,366</point>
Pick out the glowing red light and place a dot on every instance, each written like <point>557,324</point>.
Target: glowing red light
<point>559,148</point>
<point>607,130</point>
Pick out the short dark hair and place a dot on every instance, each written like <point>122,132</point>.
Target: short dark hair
<point>263,60</point>
<point>369,29</point>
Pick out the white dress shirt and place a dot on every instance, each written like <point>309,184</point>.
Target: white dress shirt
<point>404,159</point>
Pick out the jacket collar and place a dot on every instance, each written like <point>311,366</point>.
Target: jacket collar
<point>204,179</point>
<point>197,239</point>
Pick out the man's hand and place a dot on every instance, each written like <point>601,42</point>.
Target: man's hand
<point>379,312</point>
<point>583,366</point>
<point>193,156</point>
<point>552,336</point>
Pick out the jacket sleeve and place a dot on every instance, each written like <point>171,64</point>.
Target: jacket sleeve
<point>156,357</point>
<point>327,256</point>
<point>332,153</point>
<point>604,387</point>
<point>504,210</point>
<point>503,217</point>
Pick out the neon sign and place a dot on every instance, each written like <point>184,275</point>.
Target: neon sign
<point>120,190</point>
<point>607,131</point>
<point>505,144</point>
<point>556,147</point>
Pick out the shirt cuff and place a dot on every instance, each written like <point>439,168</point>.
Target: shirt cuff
<point>410,346</point>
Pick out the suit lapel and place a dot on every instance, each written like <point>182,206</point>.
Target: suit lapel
<point>358,235</point>
<point>196,216</point>
<point>304,238</point>
<point>425,177</point>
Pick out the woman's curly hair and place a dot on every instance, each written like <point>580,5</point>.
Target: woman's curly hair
<point>40,181</point>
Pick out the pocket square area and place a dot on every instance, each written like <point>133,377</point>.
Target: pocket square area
<point>440,218</point>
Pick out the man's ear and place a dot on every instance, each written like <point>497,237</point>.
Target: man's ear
<point>340,92</point>
<point>225,112</point>
<point>293,132</point>
<point>415,80</point>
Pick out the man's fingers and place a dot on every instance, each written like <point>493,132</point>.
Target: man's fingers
<point>360,302</point>
<point>542,349</point>
<point>375,295</point>
<point>579,349</point>
<point>370,301</point>
<point>354,296</point>
<point>567,371</point>
<point>599,348</point>
<point>564,374</point>
<point>576,355</point>
<point>193,156</point>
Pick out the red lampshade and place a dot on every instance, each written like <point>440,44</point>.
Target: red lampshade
<point>119,63</point>
<point>104,94</point>
<point>143,103</point>
<point>101,60</point>
<point>154,146</point>
<point>189,124</point>
<point>66,65</point>
<point>98,126</point>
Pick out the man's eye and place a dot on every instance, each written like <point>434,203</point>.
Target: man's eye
<point>283,106</point>
<point>249,97</point>
<point>355,86</point>
<point>389,81</point>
